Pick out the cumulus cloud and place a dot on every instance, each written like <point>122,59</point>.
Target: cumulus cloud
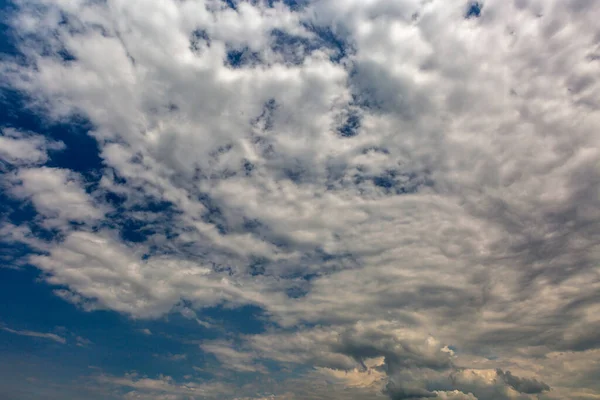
<point>523,385</point>
<point>364,377</point>
<point>23,148</point>
<point>413,181</point>
<point>401,393</point>
<point>455,394</point>
<point>120,278</point>
<point>57,194</point>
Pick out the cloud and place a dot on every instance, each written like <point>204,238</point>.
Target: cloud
<point>172,357</point>
<point>118,276</point>
<point>163,387</point>
<point>400,393</point>
<point>57,194</point>
<point>523,385</point>
<point>49,336</point>
<point>21,148</point>
<point>497,384</point>
<point>356,377</point>
<point>413,181</point>
<point>232,359</point>
<point>455,394</point>
<point>83,342</point>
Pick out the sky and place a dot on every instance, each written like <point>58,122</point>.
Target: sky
<point>299,199</point>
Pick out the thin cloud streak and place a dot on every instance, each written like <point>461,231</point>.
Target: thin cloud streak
<point>49,336</point>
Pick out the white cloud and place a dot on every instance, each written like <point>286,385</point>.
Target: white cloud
<point>49,336</point>
<point>172,357</point>
<point>463,213</point>
<point>19,148</point>
<point>455,395</point>
<point>232,359</point>
<point>163,387</point>
<point>83,342</point>
<point>57,194</point>
<point>119,279</point>
<point>355,377</point>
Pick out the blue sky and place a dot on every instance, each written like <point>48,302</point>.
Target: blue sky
<point>293,200</point>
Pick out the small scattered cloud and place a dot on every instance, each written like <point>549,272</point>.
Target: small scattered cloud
<point>25,148</point>
<point>83,342</point>
<point>231,358</point>
<point>172,357</point>
<point>57,194</point>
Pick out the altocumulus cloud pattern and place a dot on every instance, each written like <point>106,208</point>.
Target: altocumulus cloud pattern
<point>294,200</point>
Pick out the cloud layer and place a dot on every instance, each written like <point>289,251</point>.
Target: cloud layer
<point>409,190</point>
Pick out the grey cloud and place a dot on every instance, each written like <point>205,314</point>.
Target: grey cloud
<point>399,353</point>
<point>396,392</point>
<point>523,385</point>
<point>464,213</point>
<point>232,358</point>
<point>378,91</point>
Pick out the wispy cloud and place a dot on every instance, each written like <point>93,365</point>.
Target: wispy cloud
<point>172,357</point>
<point>83,342</point>
<point>145,387</point>
<point>49,336</point>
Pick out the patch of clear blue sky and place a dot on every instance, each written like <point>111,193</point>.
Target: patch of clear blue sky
<point>474,9</point>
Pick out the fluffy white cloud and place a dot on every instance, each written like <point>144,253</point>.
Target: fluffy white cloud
<point>19,148</point>
<point>57,195</point>
<point>118,278</point>
<point>383,179</point>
